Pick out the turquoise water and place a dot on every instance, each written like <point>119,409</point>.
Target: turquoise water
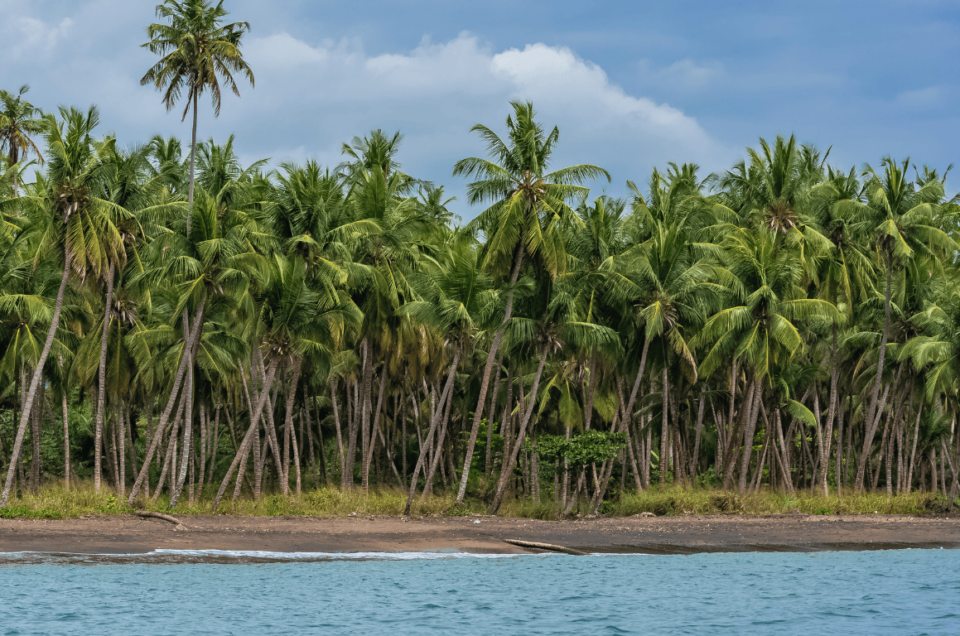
<point>849,593</point>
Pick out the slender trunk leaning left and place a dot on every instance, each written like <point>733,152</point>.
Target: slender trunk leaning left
<point>34,383</point>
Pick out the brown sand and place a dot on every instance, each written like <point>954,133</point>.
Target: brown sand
<point>660,535</point>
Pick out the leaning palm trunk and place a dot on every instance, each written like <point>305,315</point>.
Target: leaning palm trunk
<point>485,382</point>
<point>434,421</point>
<point>34,383</point>
<point>245,445</point>
<point>187,437</point>
<point>508,466</point>
<point>66,442</point>
<point>288,421</point>
<point>626,418</point>
<point>831,415</point>
<point>748,434</point>
<point>193,334</point>
<point>102,385</point>
<point>875,392</point>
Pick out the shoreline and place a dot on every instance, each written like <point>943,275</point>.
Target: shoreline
<point>694,534</point>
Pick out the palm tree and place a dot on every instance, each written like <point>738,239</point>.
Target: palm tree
<point>529,213</point>
<point>899,218</point>
<point>455,297</point>
<point>762,325</point>
<point>80,225</point>
<point>198,52</point>
<point>19,120</point>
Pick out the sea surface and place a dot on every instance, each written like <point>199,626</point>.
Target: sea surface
<point>849,593</point>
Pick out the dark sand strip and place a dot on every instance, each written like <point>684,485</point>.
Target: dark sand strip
<point>661,535</point>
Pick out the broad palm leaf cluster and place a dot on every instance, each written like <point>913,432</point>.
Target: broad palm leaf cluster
<point>782,325</point>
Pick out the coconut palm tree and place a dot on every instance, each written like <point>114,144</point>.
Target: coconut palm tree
<point>898,217</point>
<point>198,53</point>
<point>761,323</point>
<point>529,211</point>
<point>75,223</point>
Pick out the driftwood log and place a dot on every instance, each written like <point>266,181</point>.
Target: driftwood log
<point>160,515</point>
<point>544,546</point>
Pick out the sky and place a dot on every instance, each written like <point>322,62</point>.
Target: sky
<point>631,85</point>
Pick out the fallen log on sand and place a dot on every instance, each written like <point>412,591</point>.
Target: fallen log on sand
<point>160,515</point>
<point>544,546</point>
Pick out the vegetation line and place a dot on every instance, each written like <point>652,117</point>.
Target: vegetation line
<point>181,331</point>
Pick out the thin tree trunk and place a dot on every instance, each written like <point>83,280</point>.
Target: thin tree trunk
<point>875,391</point>
<point>485,381</point>
<point>748,433</point>
<point>66,441</point>
<point>193,162</point>
<point>171,402</point>
<point>34,383</point>
<point>508,465</point>
<point>102,383</point>
<point>187,437</point>
<point>434,422</point>
<point>254,423</point>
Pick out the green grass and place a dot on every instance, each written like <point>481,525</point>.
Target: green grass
<point>56,502</point>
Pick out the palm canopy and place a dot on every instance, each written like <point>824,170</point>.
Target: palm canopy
<point>19,122</point>
<point>530,204</point>
<point>198,52</point>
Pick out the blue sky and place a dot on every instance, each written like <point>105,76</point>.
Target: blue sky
<point>630,84</point>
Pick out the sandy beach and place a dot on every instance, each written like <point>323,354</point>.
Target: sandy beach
<point>656,535</point>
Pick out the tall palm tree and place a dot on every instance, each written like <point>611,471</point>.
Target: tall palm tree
<point>762,325</point>
<point>529,213</point>
<point>79,224</point>
<point>198,52</point>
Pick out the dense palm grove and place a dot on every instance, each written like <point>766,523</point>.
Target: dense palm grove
<point>176,324</point>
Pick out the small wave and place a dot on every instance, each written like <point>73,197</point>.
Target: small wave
<point>326,556</point>
<point>166,555</point>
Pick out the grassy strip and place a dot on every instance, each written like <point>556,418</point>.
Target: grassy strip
<point>55,502</point>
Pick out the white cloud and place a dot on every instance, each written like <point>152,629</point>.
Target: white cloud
<point>435,92</point>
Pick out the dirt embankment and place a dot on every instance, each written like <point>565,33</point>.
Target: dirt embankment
<point>658,535</point>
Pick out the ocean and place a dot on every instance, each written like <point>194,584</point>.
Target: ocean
<point>210,592</point>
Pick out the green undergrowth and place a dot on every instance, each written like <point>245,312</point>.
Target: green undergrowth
<point>56,502</point>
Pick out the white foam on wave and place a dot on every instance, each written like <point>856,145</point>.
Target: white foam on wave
<point>309,556</point>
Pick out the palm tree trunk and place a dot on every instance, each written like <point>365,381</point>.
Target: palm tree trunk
<point>428,485</point>
<point>664,424</point>
<point>488,459</point>
<point>366,439</point>
<point>434,422</point>
<point>102,384</point>
<point>171,401</point>
<point>375,424</point>
<point>831,413</point>
<point>487,369</point>
<point>35,423</point>
<point>66,441</point>
<point>875,392</point>
<point>288,416</point>
<point>193,162</point>
<point>34,383</point>
<point>170,458</point>
<point>120,430</point>
<point>508,466</point>
<point>245,445</point>
<point>187,438</point>
<point>748,434</point>
<point>336,422</point>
